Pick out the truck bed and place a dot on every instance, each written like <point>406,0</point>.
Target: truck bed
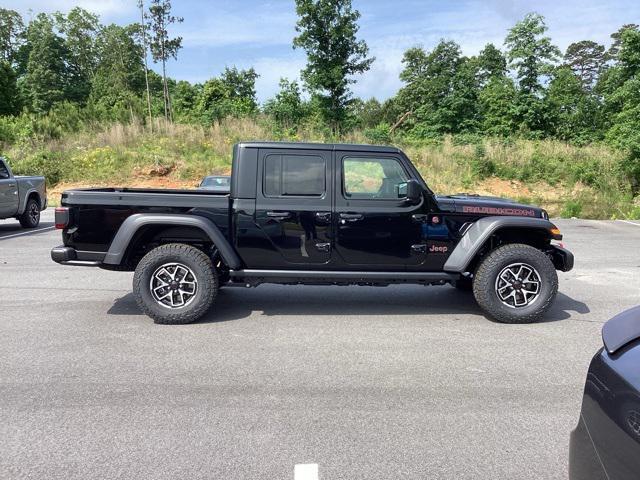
<point>99,212</point>
<point>145,197</point>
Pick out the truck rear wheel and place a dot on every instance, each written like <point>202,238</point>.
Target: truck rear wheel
<point>515,283</point>
<point>175,284</point>
<point>30,218</point>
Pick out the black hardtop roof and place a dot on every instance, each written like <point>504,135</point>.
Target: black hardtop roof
<point>320,146</point>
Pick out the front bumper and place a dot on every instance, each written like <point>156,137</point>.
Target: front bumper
<point>562,258</point>
<point>70,256</point>
<point>584,462</point>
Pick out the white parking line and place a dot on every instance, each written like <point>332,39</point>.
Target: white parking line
<point>630,223</point>
<point>30,232</point>
<point>305,471</point>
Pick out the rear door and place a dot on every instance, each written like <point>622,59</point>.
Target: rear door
<point>8,192</point>
<point>293,207</point>
<point>375,225</point>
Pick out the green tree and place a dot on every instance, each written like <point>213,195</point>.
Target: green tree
<point>214,102</point>
<point>220,98</point>
<point>586,59</point>
<point>530,53</point>
<point>9,95</point>
<point>80,29</point>
<point>630,53</point>
<point>327,31</point>
<point>119,79</point>
<point>441,91</point>
<point>614,49</point>
<point>624,104</point>
<point>573,114</point>
<point>497,104</point>
<point>241,85</point>
<point>184,98</point>
<point>287,107</point>
<point>11,34</point>
<point>162,46</point>
<point>46,69</point>
<point>532,56</point>
<point>143,40</point>
<point>369,113</point>
<point>491,63</point>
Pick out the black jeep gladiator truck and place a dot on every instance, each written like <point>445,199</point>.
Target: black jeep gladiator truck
<point>314,214</point>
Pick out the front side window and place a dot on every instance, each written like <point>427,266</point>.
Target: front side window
<point>294,175</point>
<point>4,172</point>
<point>373,178</point>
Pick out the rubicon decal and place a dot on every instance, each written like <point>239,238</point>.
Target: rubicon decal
<point>520,212</point>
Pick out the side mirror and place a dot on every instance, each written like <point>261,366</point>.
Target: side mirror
<point>411,191</point>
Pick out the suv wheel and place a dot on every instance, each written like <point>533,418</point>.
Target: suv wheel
<point>515,283</point>
<point>30,218</point>
<point>175,284</point>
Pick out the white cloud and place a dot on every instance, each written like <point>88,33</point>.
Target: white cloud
<point>265,25</point>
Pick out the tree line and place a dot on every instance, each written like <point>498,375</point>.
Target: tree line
<point>70,66</point>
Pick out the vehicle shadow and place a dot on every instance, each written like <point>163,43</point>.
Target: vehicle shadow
<point>11,227</point>
<point>234,303</point>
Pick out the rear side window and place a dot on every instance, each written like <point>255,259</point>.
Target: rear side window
<point>4,172</point>
<point>294,175</point>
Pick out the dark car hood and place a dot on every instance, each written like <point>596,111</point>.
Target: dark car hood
<point>484,206</point>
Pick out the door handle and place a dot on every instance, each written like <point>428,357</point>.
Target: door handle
<point>324,217</point>
<point>419,248</point>
<point>323,247</point>
<point>281,215</point>
<point>350,217</point>
<point>419,218</point>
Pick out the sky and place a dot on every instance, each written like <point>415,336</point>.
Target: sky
<point>259,33</point>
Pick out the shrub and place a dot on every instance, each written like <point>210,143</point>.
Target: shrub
<point>380,134</point>
<point>572,208</point>
<point>482,166</point>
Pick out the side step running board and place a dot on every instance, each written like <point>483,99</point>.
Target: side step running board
<point>331,276</point>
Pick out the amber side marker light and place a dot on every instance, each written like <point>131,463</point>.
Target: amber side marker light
<point>555,233</point>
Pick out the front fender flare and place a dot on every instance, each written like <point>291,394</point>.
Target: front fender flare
<point>479,233</point>
<point>132,224</point>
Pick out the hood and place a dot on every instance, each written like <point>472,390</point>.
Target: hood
<point>488,206</point>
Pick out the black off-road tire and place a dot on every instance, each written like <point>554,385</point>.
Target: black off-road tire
<point>201,267</point>
<point>484,283</point>
<point>30,218</point>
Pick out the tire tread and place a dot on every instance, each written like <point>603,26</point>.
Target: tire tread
<point>484,290</point>
<point>208,283</point>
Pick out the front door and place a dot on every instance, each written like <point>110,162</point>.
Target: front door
<point>376,228</point>
<point>8,192</point>
<point>293,208</point>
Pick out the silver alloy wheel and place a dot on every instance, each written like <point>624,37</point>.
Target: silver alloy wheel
<point>633,419</point>
<point>518,285</point>
<point>34,213</point>
<point>173,285</point>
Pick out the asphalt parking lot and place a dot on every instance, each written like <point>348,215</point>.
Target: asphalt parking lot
<point>367,383</point>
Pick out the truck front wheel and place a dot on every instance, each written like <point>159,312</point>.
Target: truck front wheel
<point>175,284</point>
<point>30,218</point>
<point>515,283</point>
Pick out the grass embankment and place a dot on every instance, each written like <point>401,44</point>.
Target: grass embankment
<point>567,180</point>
